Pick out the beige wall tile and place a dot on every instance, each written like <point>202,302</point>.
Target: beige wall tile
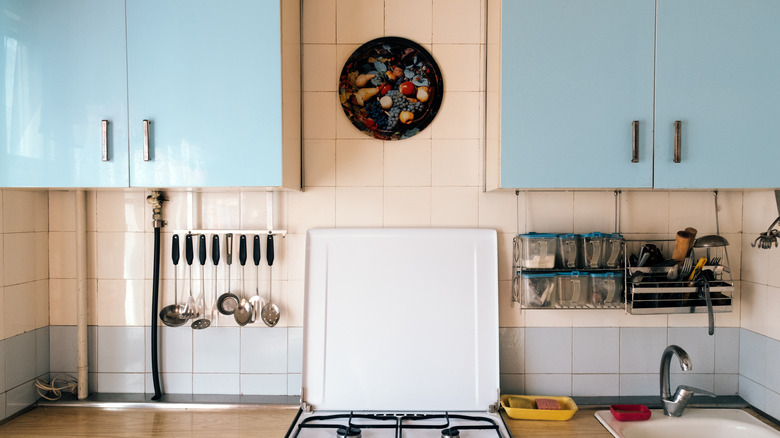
<point>594,211</point>
<point>407,163</point>
<point>319,163</point>
<point>19,309</point>
<point>454,120</point>
<point>320,69</point>
<point>120,256</point>
<point>41,200</point>
<point>120,211</point>
<point>314,208</point>
<point>254,210</point>
<point>319,114</point>
<point>549,212</point>
<point>18,211</point>
<point>598,318</point>
<point>18,258</point>
<point>41,303</point>
<point>548,318</point>
<point>2,255</point>
<point>121,303</point>
<point>454,21</point>
<point>759,210</point>
<point>2,209</point>
<point>220,210</point>
<point>62,204</point>
<point>509,314</point>
<point>498,210</point>
<point>409,19</point>
<point>359,163</point>
<point>461,66</point>
<point>41,256</point>
<point>455,163</point>
<point>62,254</point>
<point>2,313</point>
<point>755,264</point>
<point>319,21</point>
<point>358,21</point>
<point>645,212</point>
<point>296,254</point>
<point>62,302</point>
<point>407,207</point>
<point>359,206</point>
<point>294,304</point>
<point>456,207</point>
<point>754,305</point>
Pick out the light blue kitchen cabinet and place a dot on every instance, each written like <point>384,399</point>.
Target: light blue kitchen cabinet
<point>575,76</point>
<point>208,77</point>
<point>192,93</point>
<point>63,73</point>
<point>717,67</point>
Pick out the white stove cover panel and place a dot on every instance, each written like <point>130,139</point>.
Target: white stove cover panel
<point>401,319</point>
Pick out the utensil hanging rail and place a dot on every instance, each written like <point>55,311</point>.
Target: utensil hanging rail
<point>282,233</point>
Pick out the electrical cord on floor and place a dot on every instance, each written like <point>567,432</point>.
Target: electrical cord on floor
<point>67,384</point>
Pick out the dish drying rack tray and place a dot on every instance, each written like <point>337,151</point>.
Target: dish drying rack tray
<point>655,294</point>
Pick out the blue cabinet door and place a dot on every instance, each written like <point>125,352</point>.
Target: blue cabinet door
<point>63,73</point>
<point>574,76</point>
<point>206,74</point>
<point>717,73</point>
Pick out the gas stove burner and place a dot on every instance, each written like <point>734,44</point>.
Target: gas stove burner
<point>348,432</point>
<point>450,433</point>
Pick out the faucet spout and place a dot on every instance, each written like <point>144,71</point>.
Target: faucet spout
<point>674,405</point>
<point>666,363</point>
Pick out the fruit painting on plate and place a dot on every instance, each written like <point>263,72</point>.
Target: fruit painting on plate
<point>390,88</point>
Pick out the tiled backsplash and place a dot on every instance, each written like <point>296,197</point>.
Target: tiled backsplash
<point>24,296</point>
<point>431,180</point>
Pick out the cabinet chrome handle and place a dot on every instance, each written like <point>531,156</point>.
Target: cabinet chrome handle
<point>635,141</point>
<point>104,128</point>
<point>147,156</point>
<point>677,141</point>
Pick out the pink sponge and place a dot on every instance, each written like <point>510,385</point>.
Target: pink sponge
<point>547,404</point>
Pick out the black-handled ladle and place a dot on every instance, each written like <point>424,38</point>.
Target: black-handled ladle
<point>256,301</point>
<point>190,307</point>
<point>172,315</point>
<point>270,312</point>
<point>203,321</point>
<point>243,313</point>
<point>228,301</point>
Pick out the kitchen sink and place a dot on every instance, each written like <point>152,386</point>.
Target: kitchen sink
<point>694,423</point>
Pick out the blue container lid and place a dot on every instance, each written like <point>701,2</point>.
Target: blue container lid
<point>538,275</point>
<point>594,234</point>
<point>574,274</point>
<point>539,236</point>
<point>606,274</point>
<point>616,236</point>
<point>568,236</point>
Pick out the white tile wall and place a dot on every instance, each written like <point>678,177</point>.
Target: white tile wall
<point>433,179</point>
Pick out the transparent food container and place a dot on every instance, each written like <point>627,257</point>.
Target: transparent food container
<point>570,250</point>
<point>538,250</point>
<point>606,289</point>
<point>573,288</point>
<point>593,249</point>
<point>539,289</point>
<point>613,250</point>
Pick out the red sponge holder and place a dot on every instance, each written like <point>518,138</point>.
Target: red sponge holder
<point>630,412</point>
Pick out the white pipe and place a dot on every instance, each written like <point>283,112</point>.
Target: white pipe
<point>82,294</point>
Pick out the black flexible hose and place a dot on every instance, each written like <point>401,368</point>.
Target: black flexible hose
<point>155,299</point>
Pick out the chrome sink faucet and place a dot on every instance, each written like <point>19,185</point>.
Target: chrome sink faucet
<point>675,405</point>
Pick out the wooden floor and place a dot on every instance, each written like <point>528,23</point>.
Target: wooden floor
<point>92,422</point>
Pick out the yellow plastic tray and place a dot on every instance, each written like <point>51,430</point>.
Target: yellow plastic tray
<point>568,408</point>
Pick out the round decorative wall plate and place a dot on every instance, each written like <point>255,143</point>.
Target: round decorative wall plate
<point>390,88</point>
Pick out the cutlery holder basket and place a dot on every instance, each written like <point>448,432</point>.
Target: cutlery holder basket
<point>665,289</point>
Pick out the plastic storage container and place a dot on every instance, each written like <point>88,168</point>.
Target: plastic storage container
<point>538,250</point>
<point>613,250</point>
<point>539,289</point>
<point>593,249</point>
<point>570,250</point>
<point>573,289</point>
<point>606,289</point>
